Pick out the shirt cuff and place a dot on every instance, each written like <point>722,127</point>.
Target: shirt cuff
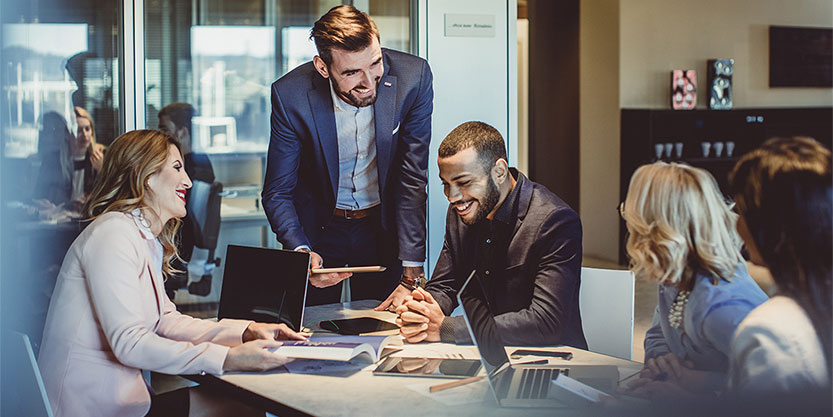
<point>234,335</point>
<point>447,330</point>
<point>412,264</point>
<point>214,359</point>
<point>303,247</point>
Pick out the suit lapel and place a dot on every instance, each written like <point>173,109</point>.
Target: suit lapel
<point>325,125</point>
<point>384,112</point>
<point>154,280</point>
<point>156,290</point>
<point>516,253</point>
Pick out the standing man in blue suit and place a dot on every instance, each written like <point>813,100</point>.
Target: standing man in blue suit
<point>348,160</point>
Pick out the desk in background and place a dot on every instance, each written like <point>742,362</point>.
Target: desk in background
<point>365,394</point>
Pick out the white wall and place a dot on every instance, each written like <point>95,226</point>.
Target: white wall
<point>475,78</point>
<point>658,36</point>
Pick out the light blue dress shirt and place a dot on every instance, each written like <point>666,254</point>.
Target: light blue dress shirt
<point>358,176</point>
<point>710,318</point>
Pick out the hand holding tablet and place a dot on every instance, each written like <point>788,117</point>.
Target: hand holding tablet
<point>351,269</point>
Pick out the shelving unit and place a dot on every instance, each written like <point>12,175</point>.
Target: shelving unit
<point>642,129</point>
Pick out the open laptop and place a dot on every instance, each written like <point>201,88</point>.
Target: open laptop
<point>267,285</point>
<point>518,385</point>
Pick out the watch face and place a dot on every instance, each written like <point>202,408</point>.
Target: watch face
<point>420,281</point>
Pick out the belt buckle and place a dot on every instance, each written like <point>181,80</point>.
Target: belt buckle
<point>348,214</point>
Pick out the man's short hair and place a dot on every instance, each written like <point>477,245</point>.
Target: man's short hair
<point>485,139</point>
<point>180,114</point>
<point>343,27</point>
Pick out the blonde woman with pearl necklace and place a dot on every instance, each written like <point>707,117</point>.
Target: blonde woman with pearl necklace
<point>681,234</point>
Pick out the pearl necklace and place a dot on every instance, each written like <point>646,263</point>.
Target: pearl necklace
<point>675,315</point>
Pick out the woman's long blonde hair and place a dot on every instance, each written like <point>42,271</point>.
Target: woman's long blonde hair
<point>678,225</point>
<point>122,184</point>
<point>82,113</point>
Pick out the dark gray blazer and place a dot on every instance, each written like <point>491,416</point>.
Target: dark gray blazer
<point>535,299</point>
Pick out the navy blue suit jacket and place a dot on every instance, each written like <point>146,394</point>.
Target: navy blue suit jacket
<point>301,185</point>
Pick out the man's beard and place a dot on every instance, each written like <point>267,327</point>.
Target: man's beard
<point>353,100</point>
<point>487,204</point>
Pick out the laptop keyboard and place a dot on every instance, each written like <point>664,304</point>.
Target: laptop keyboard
<point>535,383</point>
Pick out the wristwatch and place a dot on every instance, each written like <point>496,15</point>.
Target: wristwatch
<point>413,283</point>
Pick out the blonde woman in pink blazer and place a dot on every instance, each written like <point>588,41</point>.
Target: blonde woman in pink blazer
<point>110,318</point>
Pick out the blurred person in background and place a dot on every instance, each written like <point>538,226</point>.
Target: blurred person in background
<point>69,163</point>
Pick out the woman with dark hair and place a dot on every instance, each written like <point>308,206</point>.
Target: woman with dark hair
<point>784,194</point>
<point>110,319</point>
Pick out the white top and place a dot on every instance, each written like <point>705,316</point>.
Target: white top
<point>776,349</point>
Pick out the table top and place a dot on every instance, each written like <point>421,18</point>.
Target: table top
<point>361,393</point>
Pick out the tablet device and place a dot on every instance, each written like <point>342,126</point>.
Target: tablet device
<point>434,368</point>
<point>357,326</point>
<point>353,269</point>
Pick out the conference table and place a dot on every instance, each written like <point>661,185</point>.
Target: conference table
<point>361,393</point>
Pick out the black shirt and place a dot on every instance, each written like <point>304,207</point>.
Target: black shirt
<point>493,237</point>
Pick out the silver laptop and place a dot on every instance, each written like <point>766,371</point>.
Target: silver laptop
<point>518,385</point>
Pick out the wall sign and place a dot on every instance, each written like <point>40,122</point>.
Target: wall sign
<point>470,25</point>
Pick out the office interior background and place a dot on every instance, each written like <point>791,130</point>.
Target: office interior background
<point>563,81</point>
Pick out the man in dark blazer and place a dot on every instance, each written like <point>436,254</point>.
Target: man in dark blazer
<point>523,241</point>
<point>348,159</point>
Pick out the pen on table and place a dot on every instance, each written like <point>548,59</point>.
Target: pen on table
<point>452,384</point>
<point>536,362</point>
<point>662,376</point>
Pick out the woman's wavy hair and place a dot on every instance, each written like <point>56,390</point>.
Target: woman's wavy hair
<point>122,185</point>
<point>784,192</point>
<point>679,225</point>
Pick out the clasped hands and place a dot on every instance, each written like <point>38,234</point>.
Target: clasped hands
<point>419,317</point>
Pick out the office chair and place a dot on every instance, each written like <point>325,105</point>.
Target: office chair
<point>606,301</point>
<point>203,208</point>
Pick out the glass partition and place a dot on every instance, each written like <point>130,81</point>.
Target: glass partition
<point>221,57</point>
<point>56,60</point>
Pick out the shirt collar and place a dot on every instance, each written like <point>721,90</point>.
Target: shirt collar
<point>339,103</point>
<point>142,223</point>
<point>508,210</point>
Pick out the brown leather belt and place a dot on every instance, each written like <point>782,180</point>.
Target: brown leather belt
<point>355,214</point>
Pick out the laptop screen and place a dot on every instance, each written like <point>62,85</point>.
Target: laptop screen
<point>267,285</point>
<point>482,326</point>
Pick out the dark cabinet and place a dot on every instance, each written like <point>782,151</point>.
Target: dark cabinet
<point>709,139</point>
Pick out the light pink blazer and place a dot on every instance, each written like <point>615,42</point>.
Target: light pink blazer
<point>110,318</point>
